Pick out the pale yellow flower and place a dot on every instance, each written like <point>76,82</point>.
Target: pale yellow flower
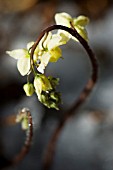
<point>23,58</point>
<point>78,23</point>
<point>50,50</point>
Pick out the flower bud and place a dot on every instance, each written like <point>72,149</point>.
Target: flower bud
<point>23,119</point>
<point>29,89</point>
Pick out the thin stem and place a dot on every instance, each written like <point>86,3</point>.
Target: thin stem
<point>84,94</point>
<point>25,149</point>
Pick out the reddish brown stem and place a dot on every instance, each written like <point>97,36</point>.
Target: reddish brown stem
<point>85,92</point>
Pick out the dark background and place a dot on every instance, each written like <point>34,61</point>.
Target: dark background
<point>86,141</point>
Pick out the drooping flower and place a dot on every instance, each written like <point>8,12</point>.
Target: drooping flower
<point>23,57</point>
<point>50,50</point>
<point>23,63</point>
<point>78,23</point>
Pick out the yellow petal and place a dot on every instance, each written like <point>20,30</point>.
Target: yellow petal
<point>45,83</point>
<point>56,53</point>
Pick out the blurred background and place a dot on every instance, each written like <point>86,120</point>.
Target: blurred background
<point>86,141</point>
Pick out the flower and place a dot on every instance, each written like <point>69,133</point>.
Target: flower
<point>46,51</point>
<point>78,23</point>
<point>50,50</point>
<point>23,57</point>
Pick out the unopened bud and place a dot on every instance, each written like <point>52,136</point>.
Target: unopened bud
<point>29,89</point>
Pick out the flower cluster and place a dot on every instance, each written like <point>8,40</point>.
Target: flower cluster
<point>47,50</point>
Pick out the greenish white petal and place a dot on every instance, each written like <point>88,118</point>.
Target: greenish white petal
<point>47,40</point>
<point>82,31</point>
<point>44,61</point>
<point>23,65</point>
<point>81,20</point>
<point>30,44</point>
<point>17,54</point>
<point>64,38</point>
<point>54,42</point>
<point>38,86</point>
<point>63,19</point>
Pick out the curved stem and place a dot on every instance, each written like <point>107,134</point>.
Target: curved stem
<point>24,150</point>
<point>85,92</point>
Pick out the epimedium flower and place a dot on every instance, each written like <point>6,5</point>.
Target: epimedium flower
<point>46,51</point>
<point>23,63</point>
<point>78,23</point>
<point>50,50</point>
<point>23,58</point>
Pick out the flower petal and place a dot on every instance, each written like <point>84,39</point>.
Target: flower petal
<point>56,53</point>
<point>82,31</point>
<point>47,39</point>
<point>63,19</point>
<point>64,38</point>
<point>17,54</point>
<point>44,41</point>
<point>23,65</point>
<point>38,86</point>
<point>46,85</point>
<point>30,44</point>
<point>44,61</point>
<point>54,42</point>
<point>81,20</point>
